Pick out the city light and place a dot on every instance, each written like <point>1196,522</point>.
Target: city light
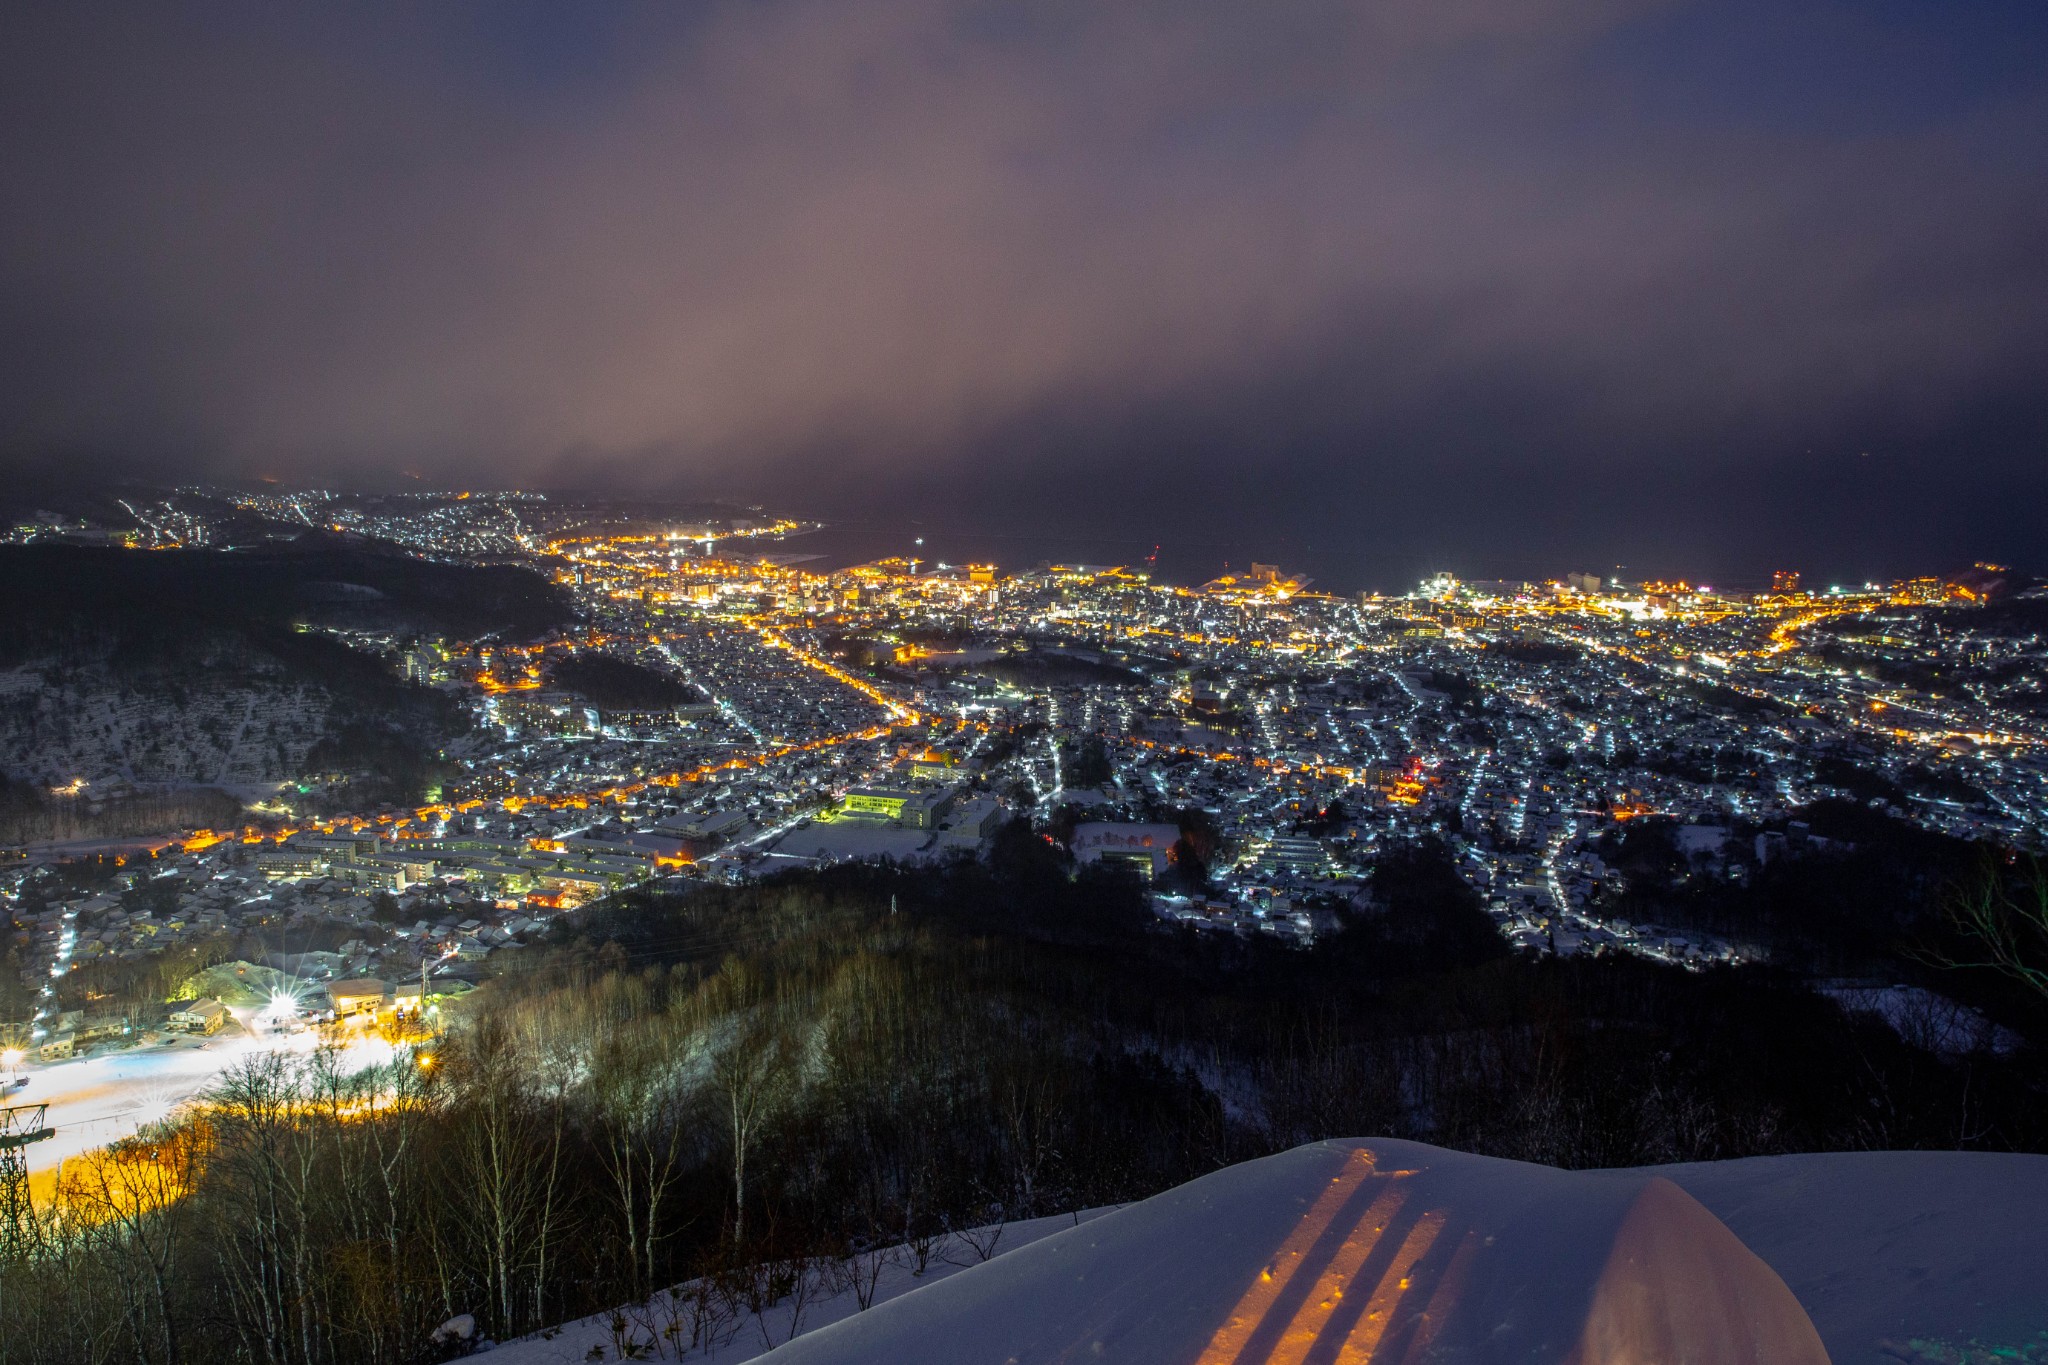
<point>898,709</point>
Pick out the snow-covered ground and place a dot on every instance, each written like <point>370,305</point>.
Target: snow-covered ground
<point>1399,1252</point>
<point>94,1101</point>
<point>1931,1022</point>
<point>1885,1249</point>
<point>97,1100</point>
<point>219,726</point>
<point>745,1337</point>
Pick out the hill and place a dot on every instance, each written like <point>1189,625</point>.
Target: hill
<point>612,683</point>
<point>161,607</point>
<point>191,669</point>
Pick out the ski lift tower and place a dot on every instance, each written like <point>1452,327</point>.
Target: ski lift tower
<point>20,1125</point>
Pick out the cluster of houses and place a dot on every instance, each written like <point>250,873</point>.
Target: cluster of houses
<point>73,1031</point>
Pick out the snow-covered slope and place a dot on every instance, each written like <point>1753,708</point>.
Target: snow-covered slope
<point>743,1336</point>
<point>1394,1251</point>
<point>1886,1248</point>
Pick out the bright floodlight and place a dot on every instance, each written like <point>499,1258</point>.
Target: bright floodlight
<point>284,1004</point>
<point>11,1057</point>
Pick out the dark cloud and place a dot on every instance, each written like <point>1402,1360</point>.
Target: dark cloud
<point>1495,277</point>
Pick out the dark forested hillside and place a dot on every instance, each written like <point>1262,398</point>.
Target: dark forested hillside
<point>735,1083</point>
<point>154,606</point>
<point>196,668</point>
<point>610,682</point>
<point>30,814</point>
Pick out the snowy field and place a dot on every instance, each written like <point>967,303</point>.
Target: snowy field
<point>1930,1022</point>
<point>98,1100</point>
<point>1400,1252</point>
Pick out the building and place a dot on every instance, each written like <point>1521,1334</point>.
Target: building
<point>1148,848</point>
<point>910,807</point>
<point>629,721</point>
<point>291,863</point>
<point>101,1028</point>
<point>199,1016</point>
<point>933,765</point>
<point>971,824</point>
<point>1295,856</point>
<point>340,846</point>
<point>699,835</point>
<point>541,713</point>
<point>360,995</point>
<point>392,871</point>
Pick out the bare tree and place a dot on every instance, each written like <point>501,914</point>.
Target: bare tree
<point>805,1278</point>
<point>861,1271</point>
<point>980,1239</point>
<point>552,1218</point>
<point>642,1123</point>
<point>61,1302</point>
<point>2005,917</point>
<point>743,1083</point>
<point>129,1204</point>
<point>1025,1110</point>
<point>749,1073</point>
<point>508,1156</point>
<point>257,1171</point>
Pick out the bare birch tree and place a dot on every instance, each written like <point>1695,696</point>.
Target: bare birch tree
<point>2005,919</point>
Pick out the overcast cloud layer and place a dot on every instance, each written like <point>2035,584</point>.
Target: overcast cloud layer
<point>1480,278</point>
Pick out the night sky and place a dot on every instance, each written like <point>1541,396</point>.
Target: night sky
<point>1502,286</point>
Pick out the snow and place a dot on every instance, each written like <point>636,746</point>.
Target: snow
<point>98,1100</point>
<point>1931,1022</point>
<point>1890,1247</point>
<point>746,1339</point>
<point>1701,839</point>
<point>241,727</point>
<point>843,839</point>
<point>1396,1251</point>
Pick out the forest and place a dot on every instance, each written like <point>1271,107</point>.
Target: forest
<point>29,814</point>
<point>613,683</point>
<point>162,608</point>
<point>752,1090</point>
<point>208,642</point>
